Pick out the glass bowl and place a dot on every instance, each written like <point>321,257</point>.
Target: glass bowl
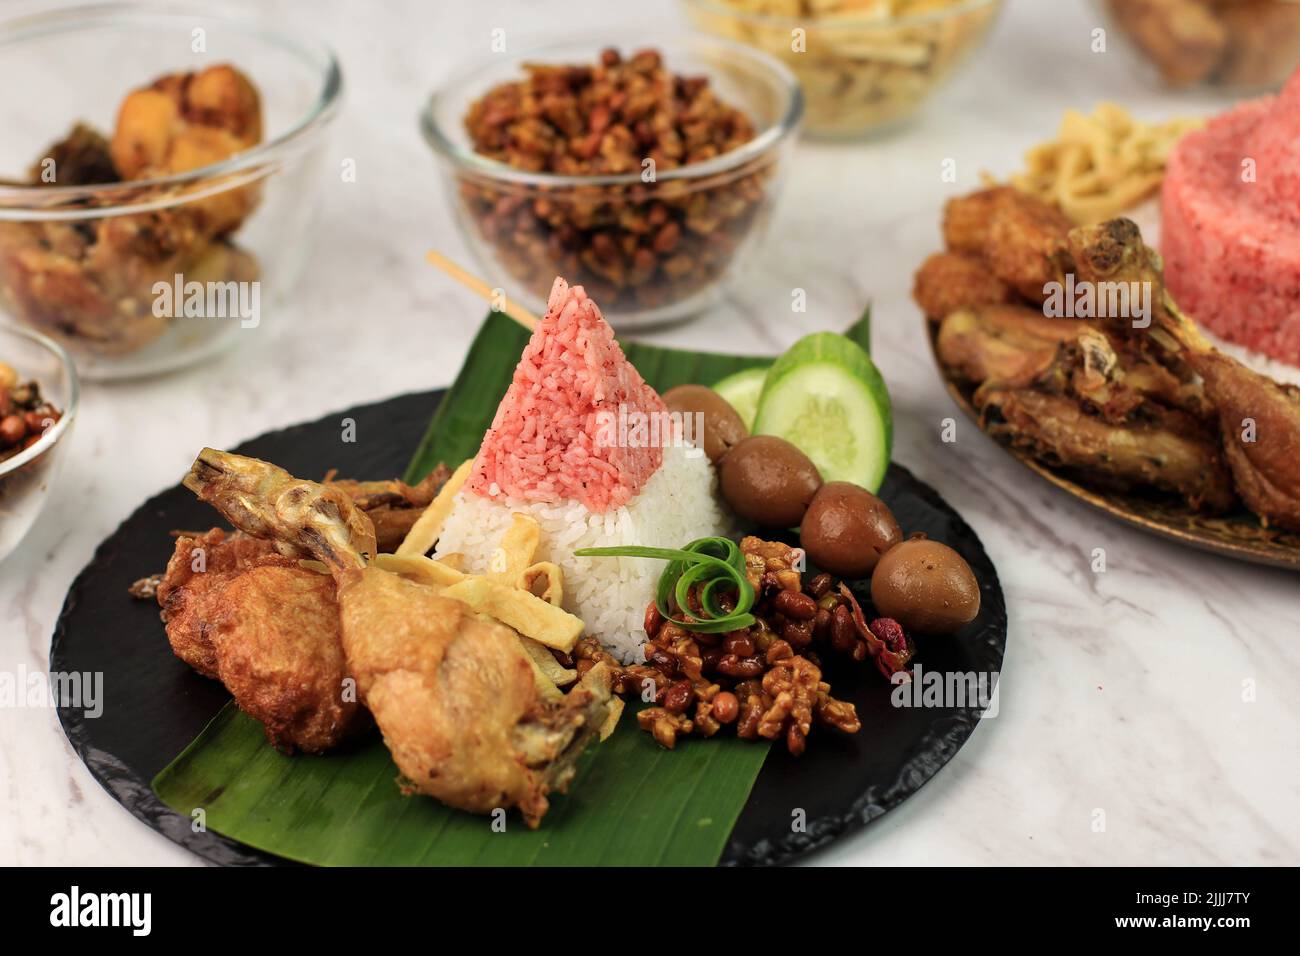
<point>1241,46</point>
<point>650,247</point>
<point>151,274</point>
<point>26,476</point>
<point>861,73</point>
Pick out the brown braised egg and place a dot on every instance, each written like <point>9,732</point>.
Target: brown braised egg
<point>926,586</point>
<point>723,427</point>
<point>847,529</point>
<point>768,481</point>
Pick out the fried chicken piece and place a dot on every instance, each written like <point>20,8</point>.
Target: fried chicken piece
<point>238,611</point>
<point>184,121</point>
<point>1260,422</point>
<point>1266,471</point>
<point>948,281</point>
<point>1117,382</point>
<point>275,632</point>
<point>966,218</point>
<point>79,159</point>
<point>393,506</point>
<point>452,692</point>
<point>1009,344</point>
<point>1026,237</point>
<point>190,590</point>
<point>1055,429</point>
<point>1019,236</point>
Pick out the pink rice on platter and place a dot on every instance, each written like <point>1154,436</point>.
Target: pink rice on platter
<point>1231,243</point>
<point>543,444</point>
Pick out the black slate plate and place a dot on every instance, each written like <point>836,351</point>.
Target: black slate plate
<point>154,705</point>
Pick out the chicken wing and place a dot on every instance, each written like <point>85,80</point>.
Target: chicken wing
<point>1260,422</point>
<point>393,507</point>
<point>1026,237</point>
<point>1008,344</point>
<point>452,692</point>
<point>1055,429</point>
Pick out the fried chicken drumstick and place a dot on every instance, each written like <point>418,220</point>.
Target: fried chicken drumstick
<point>452,692</point>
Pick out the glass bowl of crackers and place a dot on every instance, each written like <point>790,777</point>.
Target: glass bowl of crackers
<point>865,65</point>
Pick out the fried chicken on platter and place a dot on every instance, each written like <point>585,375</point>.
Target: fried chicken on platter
<point>1008,344</point>
<point>237,610</point>
<point>1259,419</point>
<point>392,506</point>
<point>1126,401</point>
<point>1018,237</point>
<point>948,281</point>
<point>1058,431</point>
<point>452,692</point>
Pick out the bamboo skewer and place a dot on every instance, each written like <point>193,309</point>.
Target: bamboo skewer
<point>475,284</point>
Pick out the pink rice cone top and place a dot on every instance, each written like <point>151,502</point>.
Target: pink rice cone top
<point>551,438</point>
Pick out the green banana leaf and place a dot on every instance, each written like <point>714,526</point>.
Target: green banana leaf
<point>632,803</point>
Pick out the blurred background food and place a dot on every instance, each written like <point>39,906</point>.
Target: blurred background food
<point>1241,44</point>
<point>149,161</point>
<point>1230,225</point>
<point>1102,164</point>
<point>89,281</point>
<point>864,64</point>
<point>643,174</point>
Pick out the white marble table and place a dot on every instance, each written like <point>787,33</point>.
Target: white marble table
<point>1122,692</point>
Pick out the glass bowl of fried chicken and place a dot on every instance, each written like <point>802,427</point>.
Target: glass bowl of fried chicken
<point>156,178</point>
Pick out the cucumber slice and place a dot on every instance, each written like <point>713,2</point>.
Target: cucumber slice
<point>826,397</point>
<point>741,391</point>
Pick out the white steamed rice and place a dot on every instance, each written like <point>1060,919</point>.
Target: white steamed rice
<point>677,505</point>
